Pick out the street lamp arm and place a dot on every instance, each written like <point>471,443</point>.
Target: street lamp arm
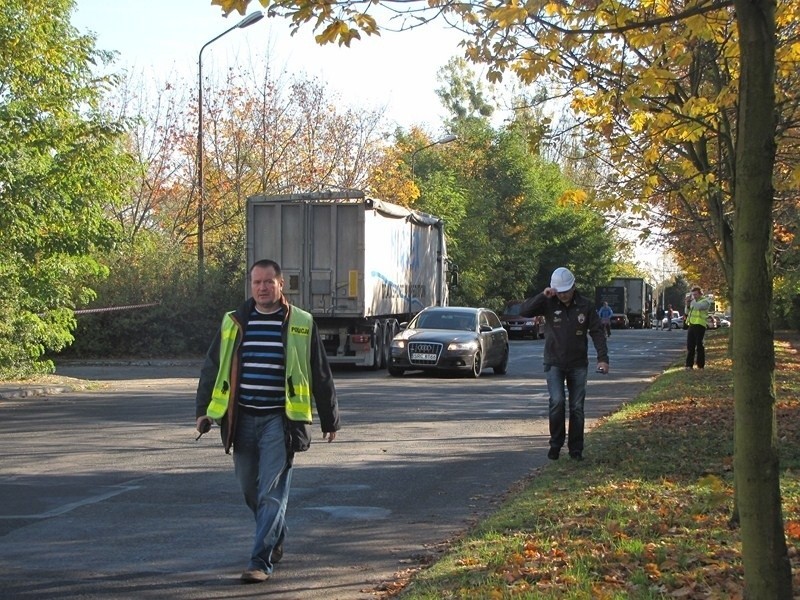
<point>445,140</point>
<point>246,22</point>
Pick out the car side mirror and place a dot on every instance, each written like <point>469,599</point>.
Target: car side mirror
<point>485,328</point>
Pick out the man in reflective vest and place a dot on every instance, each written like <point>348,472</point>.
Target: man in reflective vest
<point>696,318</point>
<point>260,374</point>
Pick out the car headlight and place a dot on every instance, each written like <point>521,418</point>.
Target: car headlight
<point>471,345</point>
<point>398,344</point>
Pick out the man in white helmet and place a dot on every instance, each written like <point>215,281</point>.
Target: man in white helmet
<point>570,319</point>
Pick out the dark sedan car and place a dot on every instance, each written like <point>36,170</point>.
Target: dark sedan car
<point>517,326</point>
<point>619,321</point>
<point>451,339</point>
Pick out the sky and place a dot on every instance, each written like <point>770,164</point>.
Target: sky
<point>395,71</point>
<point>164,37</point>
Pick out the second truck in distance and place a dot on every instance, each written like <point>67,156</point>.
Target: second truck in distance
<point>629,296</point>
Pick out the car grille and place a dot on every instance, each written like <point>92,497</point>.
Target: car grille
<point>433,349</point>
<point>521,322</point>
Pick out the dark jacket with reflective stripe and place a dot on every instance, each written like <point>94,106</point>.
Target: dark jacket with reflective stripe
<point>567,330</point>
<point>322,387</point>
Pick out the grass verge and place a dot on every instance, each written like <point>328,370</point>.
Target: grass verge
<point>645,516</point>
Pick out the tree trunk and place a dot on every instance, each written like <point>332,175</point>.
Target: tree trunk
<point>767,569</point>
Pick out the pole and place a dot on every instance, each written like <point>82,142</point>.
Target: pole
<point>201,191</point>
<point>200,179</point>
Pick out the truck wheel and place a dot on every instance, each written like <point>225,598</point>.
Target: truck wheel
<point>378,354</point>
<point>395,372</point>
<point>387,344</point>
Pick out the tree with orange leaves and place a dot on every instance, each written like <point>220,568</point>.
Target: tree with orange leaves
<point>684,102</point>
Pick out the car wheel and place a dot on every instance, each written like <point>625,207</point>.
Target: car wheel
<point>477,364</point>
<point>502,368</point>
<point>396,372</point>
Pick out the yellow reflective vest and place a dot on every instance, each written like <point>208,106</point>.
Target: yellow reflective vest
<point>698,312</point>
<point>297,360</point>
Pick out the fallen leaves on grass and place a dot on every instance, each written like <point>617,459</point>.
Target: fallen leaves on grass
<point>646,515</point>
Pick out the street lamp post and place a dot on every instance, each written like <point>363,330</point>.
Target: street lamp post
<point>445,140</point>
<point>201,217</point>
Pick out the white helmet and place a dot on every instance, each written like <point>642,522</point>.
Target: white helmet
<point>562,280</point>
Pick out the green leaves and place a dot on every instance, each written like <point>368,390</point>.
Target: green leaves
<point>59,167</point>
<point>507,223</point>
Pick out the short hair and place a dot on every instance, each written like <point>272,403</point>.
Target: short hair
<point>697,288</point>
<point>265,263</point>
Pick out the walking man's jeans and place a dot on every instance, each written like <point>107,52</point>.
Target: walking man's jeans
<point>575,382</point>
<point>265,475</point>
<point>694,344</point>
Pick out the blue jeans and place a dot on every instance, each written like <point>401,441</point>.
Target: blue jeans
<point>575,381</point>
<point>264,472</point>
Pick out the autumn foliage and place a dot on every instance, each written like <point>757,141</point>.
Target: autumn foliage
<point>646,516</point>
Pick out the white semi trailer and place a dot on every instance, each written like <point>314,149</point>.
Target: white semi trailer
<point>360,266</point>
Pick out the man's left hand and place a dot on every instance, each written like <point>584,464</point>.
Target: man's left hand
<point>602,367</point>
<point>330,436</point>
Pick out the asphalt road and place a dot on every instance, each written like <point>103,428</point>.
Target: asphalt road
<point>104,493</point>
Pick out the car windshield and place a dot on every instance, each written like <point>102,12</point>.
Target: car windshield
<point>513,309</point>
<point>445,320</point>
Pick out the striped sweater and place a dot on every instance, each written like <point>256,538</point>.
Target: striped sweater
<point>261,387</point>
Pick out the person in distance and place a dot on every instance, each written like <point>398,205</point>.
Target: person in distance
<point>696,313</point>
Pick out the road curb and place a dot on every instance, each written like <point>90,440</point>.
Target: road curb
<point>16,393</point>
<point>56,383</point>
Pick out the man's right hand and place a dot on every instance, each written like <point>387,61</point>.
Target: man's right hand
<point>203,424</point>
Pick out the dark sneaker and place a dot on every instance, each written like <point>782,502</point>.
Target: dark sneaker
<point>254,576</point>
<point>553,453</point>
<point>576,455</point>
<point>277,553</point>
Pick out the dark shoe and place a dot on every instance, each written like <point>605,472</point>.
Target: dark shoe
<point>553,453</point>
<point>254,576</point>
<point>277,553</point>
<point>576,455</point>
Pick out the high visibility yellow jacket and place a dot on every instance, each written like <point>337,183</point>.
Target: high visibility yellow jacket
<point>697,313</point>
<point>307,372</point>
<point>297,357</point>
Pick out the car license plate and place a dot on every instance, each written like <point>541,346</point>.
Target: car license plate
<point>516,328</point>
<point>423,356</point>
